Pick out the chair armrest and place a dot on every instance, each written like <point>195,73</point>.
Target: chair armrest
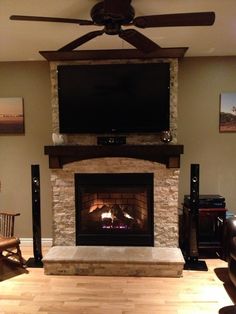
<point>229,233</point>
<point>231,227</point>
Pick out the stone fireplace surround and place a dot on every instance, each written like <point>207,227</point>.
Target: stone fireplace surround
<point>166,181</point>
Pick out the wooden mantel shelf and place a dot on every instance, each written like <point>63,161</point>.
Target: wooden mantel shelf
<point>168,154</point>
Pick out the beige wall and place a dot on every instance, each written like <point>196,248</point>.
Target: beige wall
<point>201,80</point>
<point>29,80</point>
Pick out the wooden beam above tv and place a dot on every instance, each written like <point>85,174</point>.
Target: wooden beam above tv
<point>74,55</point>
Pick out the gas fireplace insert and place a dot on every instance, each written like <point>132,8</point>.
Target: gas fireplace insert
<point>114,209</point>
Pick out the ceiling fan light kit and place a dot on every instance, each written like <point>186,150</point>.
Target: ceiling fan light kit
<point>113,15</point>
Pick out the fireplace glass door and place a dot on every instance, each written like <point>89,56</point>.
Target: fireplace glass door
<point>114,209</point>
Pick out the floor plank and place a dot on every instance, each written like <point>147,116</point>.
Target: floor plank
<point>197,292</point>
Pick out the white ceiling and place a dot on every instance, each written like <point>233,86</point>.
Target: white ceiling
<point>21,40</point>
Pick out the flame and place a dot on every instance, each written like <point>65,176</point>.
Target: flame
<point>107,215</point>
<point>128,216</point>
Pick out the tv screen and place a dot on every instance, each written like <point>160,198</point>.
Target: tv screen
<point>121,98</point>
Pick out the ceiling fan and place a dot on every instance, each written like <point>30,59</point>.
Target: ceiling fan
<point>113,14</point>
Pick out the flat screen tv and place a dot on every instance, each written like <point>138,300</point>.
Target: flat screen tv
<point>114,98</point>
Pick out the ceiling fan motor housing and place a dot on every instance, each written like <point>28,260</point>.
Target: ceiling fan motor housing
<point>100,17</point>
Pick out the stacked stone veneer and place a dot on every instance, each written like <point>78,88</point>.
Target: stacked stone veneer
<point>166,181</point>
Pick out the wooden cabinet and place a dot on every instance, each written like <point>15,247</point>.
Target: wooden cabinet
<point>210,224</point>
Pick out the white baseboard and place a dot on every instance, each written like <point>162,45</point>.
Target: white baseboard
<point>29,241</point>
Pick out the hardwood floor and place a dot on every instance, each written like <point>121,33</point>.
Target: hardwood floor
<point>197,292</point>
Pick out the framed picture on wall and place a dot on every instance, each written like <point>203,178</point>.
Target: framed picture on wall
<point>12,115</point>
<point>228,112</point>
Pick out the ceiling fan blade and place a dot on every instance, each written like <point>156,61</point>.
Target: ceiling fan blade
<point>49,19</point>
<point>81,40</point>
<point>138,40</point>
<point>179,19</point>
<point>116,8</point>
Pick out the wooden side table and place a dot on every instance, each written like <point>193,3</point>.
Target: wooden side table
<point>210,230</point>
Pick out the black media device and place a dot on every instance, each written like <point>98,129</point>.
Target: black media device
<point>207,201</point>
<point>111,140</point>
<point>114,98</point>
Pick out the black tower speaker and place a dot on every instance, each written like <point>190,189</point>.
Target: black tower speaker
<point>36,218</point>
<point>192,253</point>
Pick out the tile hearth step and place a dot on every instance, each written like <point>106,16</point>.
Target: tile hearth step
<point>114,261</point>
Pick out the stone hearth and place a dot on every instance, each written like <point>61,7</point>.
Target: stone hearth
<point>114,261</point>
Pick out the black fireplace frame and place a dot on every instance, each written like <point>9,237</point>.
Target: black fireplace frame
<point>112,238</point>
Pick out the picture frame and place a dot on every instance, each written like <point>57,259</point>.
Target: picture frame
<point>227,112</point>
<point>12,115</point>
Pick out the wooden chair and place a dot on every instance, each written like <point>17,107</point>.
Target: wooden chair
<point>9,244</point>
